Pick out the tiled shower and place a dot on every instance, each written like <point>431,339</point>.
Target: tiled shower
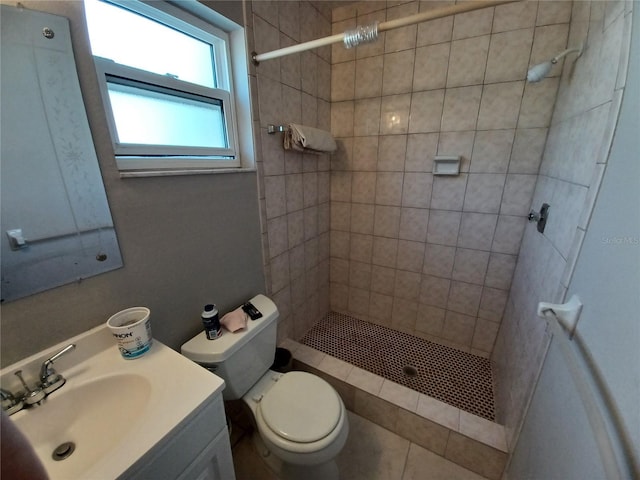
<point>370,232</point>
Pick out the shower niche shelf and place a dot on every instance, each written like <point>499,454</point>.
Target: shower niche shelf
<point>446,165</point>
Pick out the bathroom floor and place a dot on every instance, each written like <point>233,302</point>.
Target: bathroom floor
<point>449,375</point>
<point>371,453</point>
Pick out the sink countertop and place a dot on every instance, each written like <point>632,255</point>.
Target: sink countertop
<point>178,386</point>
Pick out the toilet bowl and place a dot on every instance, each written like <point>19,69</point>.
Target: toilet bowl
<point>301,420</point>
<point>300,417</point>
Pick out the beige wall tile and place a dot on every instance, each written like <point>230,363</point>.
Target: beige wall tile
<point>430,67</point>
<point>438,261</point>
<point>515,16</point>
<point>383,279</point>
<point>387,221</point>
<point>407,286</point>
<point>457,143</point>
<point>537,103</point>
<point>448,192</point>
<point>528,147</point>
<point>385,252</point>
<point>476,230</point>
<point>434,31</point>
<point>404,314</point>
<point>275,196</point>
<point>492,304</point>
<point>461,108</point>
<point>278,237</point>
<point>365,153</point>
<point>340,244</point>
<point>473,24</point>
<point>365,380</point>
<point>361,247</point>
<point>363,187</point>
<point>338,52</point>
<point>500,270</point>
<point>358,301</point>
<point>380,308</point>
<point>398,72</point>
<point>470,265</point>
<point>468,61</point>
<point>391,153</point>
<point>339,271</point>
<point>389,188</point>
<point>421,148</point>
<point>410,255</point>
<point>458,327</point>
<point>491,151</point>
<point>342,119</point>
<point>369,77</point>
<point>426,111</point>
<point>399,395</point>
<point>443,227</point>
<point>413,224</point>
<point>341,186</point>
<point>309,73</point>
<point>416,191</point>
<point>518,193</point>
<point>508,234</point>
<point>484,192</point>
<point>509,56</point>
<point>377,47</point>
<point>343,77</point>
<point>366,120</point>
<point>549,41</point>
<point>430,319</point>
<point>394,114</point>
<point>295,229</point>
<point>405,37</point>
<point>485,335</point>
<point>362,218</point>
<point>558,11</point>
<point>500,105</point>
<point>376,409</point>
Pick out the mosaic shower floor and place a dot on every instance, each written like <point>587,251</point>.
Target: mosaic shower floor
<point>449,375</point>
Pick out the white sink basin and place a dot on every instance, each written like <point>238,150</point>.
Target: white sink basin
<point>113,410</point>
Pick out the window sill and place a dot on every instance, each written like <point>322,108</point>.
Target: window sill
<point>173,173</point>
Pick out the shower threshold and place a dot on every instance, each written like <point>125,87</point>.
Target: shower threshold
<point>458,378</point>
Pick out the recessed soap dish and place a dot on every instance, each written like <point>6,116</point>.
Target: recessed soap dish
<point>446,165</point>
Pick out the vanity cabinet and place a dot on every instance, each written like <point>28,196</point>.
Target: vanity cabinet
<point>197,449</point>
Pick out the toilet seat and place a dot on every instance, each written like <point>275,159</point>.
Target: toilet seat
<point>334,427</point>
<point>301,408</point>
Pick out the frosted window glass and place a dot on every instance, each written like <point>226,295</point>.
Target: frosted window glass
<point>136,41</point>
<point>151,118</point>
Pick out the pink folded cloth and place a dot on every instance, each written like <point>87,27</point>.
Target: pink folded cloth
<point>234,320</point>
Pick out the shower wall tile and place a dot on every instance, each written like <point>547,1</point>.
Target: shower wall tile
<point>398,72</point>
<point>421,148</point>
<point>430,67</point>
<point>438,260</point>
<point>369,75</point>
<point>509,56</point>
<point>528,147</point>
<point>514,16</point>
<point>473,24</point>
<point>476,230</point>
<point>461,108</point>
<point>491,151</point>
<point>426,111</point>
<point>484,192</point>
<point>436,254</point>
<point>549,41</point>
<point>413,224</point>
<point>435,31</point>
<point>500,105</point>
<point>554,12</point>
<point>468,61</point>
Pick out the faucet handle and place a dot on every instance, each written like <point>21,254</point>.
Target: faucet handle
<point>50,379</point>
<point>30,397</point>
<point>10,404</point>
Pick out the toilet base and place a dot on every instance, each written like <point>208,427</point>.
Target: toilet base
<point>288,471</point>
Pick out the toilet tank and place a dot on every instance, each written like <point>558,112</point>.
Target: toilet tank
<point>240,358</point>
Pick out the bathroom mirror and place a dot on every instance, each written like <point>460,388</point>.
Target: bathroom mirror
<point>56,223</point>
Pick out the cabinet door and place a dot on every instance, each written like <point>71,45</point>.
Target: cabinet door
<point>214,462</point>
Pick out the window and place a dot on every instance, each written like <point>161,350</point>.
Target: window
<point>166,85</point>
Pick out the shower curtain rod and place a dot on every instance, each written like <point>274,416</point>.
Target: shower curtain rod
<point>382,27</point>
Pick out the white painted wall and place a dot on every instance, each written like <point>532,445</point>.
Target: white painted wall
<point>556,441</point>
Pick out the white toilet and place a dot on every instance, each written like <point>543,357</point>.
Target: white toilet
<point>300,418</point>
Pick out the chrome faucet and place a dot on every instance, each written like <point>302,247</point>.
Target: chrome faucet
<point>50,380</point>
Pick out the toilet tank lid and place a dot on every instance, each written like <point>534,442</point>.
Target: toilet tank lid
<point>201,350</point>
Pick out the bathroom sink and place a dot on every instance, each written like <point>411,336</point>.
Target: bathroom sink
<point>111,412</point>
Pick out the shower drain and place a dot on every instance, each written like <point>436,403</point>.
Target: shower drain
<point>62,451</point>
<point>410,371</point>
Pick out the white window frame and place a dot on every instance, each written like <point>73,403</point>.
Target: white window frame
<point>132,157</point>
